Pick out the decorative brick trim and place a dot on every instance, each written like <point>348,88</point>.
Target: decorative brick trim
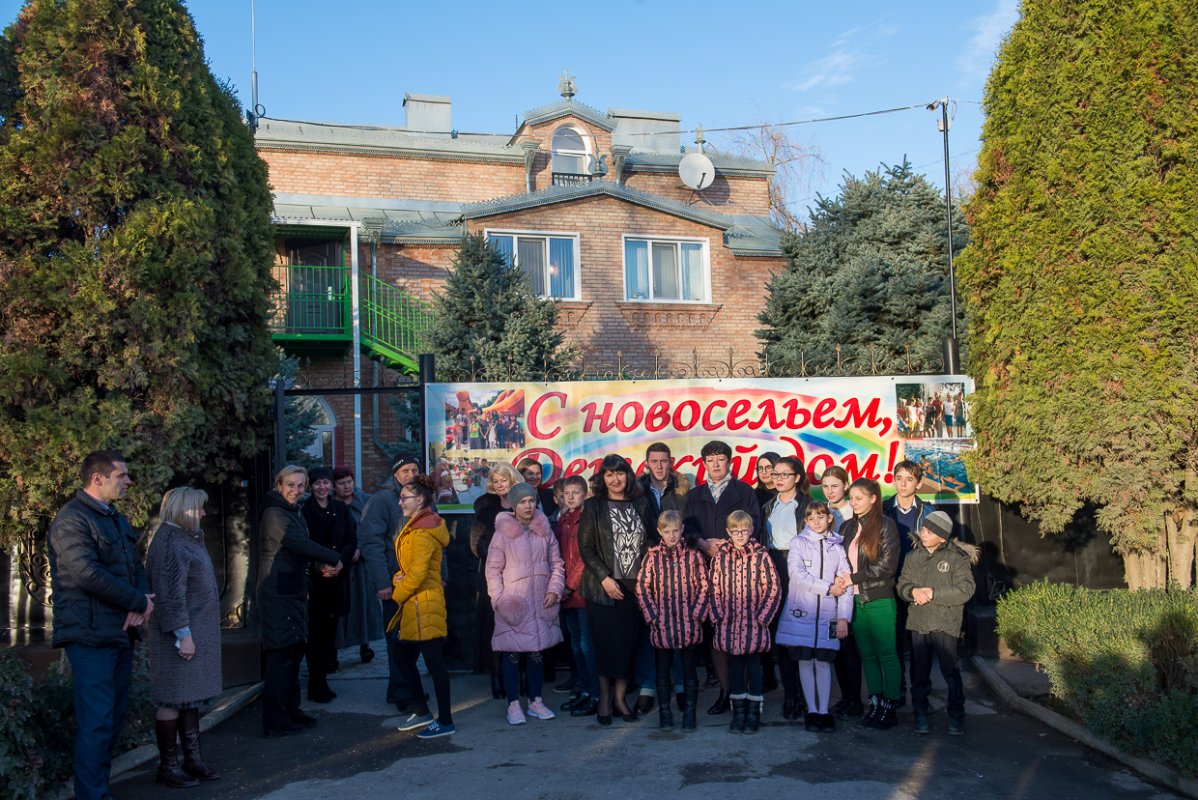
<point>670,315</point>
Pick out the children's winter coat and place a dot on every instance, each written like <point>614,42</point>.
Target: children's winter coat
<point>567,540</point>
<point>416,586</point>
<point>523,566</point>
<point>745,595</point>
<point>672,590</point>
<point>948,572</point>
<point>809,616</point>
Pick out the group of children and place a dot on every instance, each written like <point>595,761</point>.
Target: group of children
<point>838,587</point>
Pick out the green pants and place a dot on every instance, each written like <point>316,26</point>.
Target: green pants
<point>873,628</point>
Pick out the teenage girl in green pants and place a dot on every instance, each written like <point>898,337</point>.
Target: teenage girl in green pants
<point>872,543</point>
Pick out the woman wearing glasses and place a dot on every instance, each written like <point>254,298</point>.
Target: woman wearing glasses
<point>418,592</point>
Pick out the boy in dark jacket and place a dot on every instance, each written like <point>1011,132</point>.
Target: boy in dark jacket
<point>937,580</point>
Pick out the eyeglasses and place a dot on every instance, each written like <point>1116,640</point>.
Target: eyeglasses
<point>778,474</point>
<point>403,497</point>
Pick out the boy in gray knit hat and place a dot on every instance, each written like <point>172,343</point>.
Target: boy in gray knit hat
<point>937,580</point>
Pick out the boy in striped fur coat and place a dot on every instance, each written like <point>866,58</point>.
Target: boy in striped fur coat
<point>672,590</point>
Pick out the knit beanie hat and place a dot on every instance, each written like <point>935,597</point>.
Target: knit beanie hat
<point>940,524</point>
<point>519,492</point>
<point>402,461</point>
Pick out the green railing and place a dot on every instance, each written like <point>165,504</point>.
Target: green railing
<point>392,323</point>
<point>311,303</point>
<point>315,304</point>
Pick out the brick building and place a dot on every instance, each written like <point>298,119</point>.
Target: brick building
<point>588,203</point>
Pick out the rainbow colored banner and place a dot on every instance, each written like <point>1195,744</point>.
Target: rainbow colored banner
<point>866,425</point>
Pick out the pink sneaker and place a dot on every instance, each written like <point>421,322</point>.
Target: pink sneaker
<point>515,714</point>
<point>538,709</point>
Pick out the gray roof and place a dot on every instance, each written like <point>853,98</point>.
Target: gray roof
<point>404,221</point>
<point>295,135</point>
<point>564,108</point>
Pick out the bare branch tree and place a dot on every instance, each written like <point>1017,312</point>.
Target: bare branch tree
<point>796,166</point>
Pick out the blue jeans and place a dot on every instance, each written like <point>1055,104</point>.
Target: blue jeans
<point>575,620</point>
<point>101,676</point>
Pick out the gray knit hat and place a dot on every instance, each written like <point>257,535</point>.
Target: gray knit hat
<point>940,524</point>
<point>519,492</point>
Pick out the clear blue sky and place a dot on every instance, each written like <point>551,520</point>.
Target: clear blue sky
<point>715,64</point>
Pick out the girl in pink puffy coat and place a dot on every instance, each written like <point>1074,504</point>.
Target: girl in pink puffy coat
<point>525,579</point>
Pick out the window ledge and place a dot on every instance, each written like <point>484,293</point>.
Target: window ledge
<point>647,312</point>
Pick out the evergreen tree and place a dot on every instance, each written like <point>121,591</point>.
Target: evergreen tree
<point>1082,279</point>
<point>869,274</point>
<point>487,325</point>
<point>135,252</point>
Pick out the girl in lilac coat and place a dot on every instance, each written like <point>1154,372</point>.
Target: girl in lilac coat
<point>817,611</point>
<point>525,579</point>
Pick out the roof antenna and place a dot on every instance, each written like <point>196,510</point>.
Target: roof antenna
<point>256,111</point>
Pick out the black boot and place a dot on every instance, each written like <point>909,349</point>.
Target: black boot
<point>887,717</point>
<point>720,705</point>
<point>690,695</point>
<point>189,734</point>
<point>166,731</point>
<point>871,713</point>
<point>665,716</point>
<point>740,710</point>
<point>753,714</point>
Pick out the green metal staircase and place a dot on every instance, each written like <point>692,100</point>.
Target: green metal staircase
<point>313,307</point>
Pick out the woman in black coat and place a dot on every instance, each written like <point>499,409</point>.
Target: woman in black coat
<point>330,524</point>
<point>616,528</point>
<point>285,551</point>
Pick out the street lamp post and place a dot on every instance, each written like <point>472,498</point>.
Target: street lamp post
<point>952,358</point>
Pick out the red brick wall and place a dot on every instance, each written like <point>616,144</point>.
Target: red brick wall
<point>603,323</point>
<point>734,196</point>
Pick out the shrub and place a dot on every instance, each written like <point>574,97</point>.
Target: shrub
<point>1125,662</point>
<point>37,725</point>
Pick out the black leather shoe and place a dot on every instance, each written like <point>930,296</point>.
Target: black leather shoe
<point>307,720</point>
<point>602,720</point>
<point>721,704</point>
<point>586,708</point>
<point>644,704</point>
<point>366,653</point>
<point>290,730</point>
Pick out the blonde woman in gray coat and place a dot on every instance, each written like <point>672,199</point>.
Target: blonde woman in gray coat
<point>184,636</point>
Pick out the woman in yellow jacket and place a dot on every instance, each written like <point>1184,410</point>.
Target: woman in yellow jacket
<point>417,590</point>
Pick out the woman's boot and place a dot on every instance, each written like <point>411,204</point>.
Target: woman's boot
<point>193,759</point>
<point>720,705</point>
<point>166,731</point>
<point>740,710</point>
<point>753,714</point>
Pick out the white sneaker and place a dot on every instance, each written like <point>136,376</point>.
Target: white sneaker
<point>515,714</point>
<point>538,709</point>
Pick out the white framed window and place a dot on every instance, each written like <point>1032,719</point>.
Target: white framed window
<point>666,270</point>
<point>548,260</point>
<point>324,431</point>
<point>570,151</point>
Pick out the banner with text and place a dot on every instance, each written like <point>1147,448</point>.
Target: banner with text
<point>866,425</point>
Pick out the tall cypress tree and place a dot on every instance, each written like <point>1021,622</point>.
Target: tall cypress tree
<point>135,252</point>
<point>488,325</point>
<point>869,274</point>
<point>1082,278</point>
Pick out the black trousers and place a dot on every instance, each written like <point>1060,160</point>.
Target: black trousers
<point>848,669</point>
<point>433,651</point>
<point>280,686</point>
<point>321,650</point>
<point>745,674</point>
<point>664,665</point>
<point>944,646</point>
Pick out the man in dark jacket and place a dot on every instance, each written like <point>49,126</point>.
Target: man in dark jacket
<point>381,522</point>
<point>100,599</point>
<point>664,487</point>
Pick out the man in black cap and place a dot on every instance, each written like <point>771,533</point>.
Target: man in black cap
<point>381,522</point>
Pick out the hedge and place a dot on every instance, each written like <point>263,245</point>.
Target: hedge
<point>1126,663</point>
<point>37,725</point>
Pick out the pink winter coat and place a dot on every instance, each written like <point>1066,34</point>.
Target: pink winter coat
<point>672,591</point>
<point>745,595</point>
<point>523,566</point>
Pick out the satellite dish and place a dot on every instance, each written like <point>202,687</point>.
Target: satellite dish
<point>696,171</point>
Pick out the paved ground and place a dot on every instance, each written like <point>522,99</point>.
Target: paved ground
<point>356,753</point>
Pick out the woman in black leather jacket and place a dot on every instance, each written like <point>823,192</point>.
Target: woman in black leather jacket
<point>871,540</point>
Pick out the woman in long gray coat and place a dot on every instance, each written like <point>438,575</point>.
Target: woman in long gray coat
<point>184,636</point>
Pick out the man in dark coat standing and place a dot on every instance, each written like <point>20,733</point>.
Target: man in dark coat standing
<point>100,593</point>
<point>381,523</point>
<point>285,551</point>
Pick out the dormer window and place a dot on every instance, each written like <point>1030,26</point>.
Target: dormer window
<point>570,157</point>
